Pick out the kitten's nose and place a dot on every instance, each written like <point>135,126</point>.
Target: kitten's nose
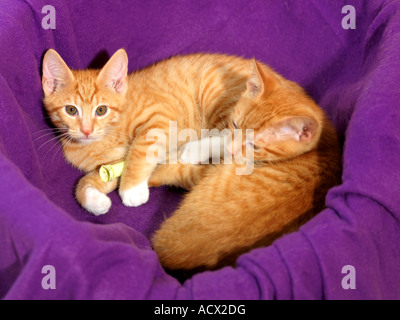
<point>86,131</point>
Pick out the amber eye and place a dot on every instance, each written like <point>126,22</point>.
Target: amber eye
<point>71,110</point>
<point>101,111</point>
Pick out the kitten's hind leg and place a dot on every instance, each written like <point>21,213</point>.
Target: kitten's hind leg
<point>91,193</point>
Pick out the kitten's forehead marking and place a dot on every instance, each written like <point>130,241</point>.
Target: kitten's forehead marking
<point>86,102</point>
<point>86,90</point>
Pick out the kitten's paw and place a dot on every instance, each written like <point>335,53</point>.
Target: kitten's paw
<point>136,195</point>
<point>96,202</point>
<point>193,152</point>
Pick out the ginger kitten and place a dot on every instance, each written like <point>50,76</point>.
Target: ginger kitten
<point>106,115</point>
<point>297,160</point>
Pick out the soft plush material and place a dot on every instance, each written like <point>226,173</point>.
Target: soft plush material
<point>352,73</point>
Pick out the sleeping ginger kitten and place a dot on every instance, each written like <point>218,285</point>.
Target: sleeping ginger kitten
<point>105,116</point>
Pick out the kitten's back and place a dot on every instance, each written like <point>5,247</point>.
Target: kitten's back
<point>200,88</point>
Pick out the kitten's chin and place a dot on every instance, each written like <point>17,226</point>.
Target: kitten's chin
<point>86,140</point>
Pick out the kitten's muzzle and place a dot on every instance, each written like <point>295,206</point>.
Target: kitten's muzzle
<point>86,131</point>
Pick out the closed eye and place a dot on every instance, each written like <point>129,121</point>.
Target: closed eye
<point>251,144</point>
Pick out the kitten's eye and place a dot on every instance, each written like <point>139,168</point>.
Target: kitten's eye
<point>251,144</point>
<point>234,124</point>
<point>101,111</point>
<point>71,110</point>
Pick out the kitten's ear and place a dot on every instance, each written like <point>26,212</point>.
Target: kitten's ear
<point>260,80</point>
<point>301,129</point>
<point>55,72</point>
<point>114,74</point>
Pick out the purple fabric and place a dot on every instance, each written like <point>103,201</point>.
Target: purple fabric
<point>353,74</point>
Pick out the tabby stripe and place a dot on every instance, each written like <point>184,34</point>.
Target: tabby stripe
<point>138,123</point>
<point>210,73</point>
<point>80,96</point>
<point>93,95</point>
<point>206,87</point>
<point>209,97</point>
<point>184,92</point>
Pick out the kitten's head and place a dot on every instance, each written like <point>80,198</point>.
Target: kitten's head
<point>286,122</point>
<point>84,104</point>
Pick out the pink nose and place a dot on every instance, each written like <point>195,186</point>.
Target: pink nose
<point>86,131</point>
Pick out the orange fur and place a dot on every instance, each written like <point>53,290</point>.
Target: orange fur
<point>296,151</point>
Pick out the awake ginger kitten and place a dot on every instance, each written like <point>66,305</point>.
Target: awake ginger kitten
<point>106,115</point>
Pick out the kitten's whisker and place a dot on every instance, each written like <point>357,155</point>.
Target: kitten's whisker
<point>118,133</point>
<point>48,132</point>
<point>115,132</point>
<point>108,139</point>
<point>51,140</point>
<point>46,135</point>
<point>52,147</point>
<point>120,136</point>
<point>52,129</point>
<point>63,144</point>
<point>112,138</point>
<point>56,145</point>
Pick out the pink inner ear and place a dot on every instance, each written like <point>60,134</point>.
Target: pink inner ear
<point>114,73</point>
<point>55,72</point>
<point>46,73</point>
<point>50,85</point>
<point>120,79</point>
<point>309,130</point>
<point>301,129</point>
<point>48,80</point>
<point>307,133</point>
<point>115,79</point>
<point>253,87</point>
<point>304,128</point>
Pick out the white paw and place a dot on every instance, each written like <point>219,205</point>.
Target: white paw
<point>194,152</point>
<point>136,195</point>
<point>96,202</point>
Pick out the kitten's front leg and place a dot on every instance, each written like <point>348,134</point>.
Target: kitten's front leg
<point>201,151</point>
<point>91,193</point>
<point>139,166</point>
